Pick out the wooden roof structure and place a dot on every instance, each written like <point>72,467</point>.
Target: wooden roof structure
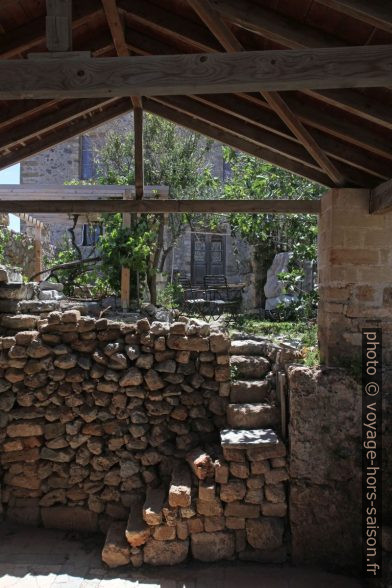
<point>336,135</point>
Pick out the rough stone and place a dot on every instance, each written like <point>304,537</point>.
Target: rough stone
<point>265,533</point>
<point>212,546</point>
<point>165,553</point>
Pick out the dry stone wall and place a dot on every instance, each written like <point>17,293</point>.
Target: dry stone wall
<point>122,428</point>
<point>91,412</point>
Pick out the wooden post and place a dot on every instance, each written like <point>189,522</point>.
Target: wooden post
<point>125,271</point>
<point>37,251</point>
<point>59,25</point>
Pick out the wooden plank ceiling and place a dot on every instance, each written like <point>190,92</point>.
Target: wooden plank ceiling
<point>335,137</point>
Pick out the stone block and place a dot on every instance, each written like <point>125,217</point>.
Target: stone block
<point>116,551</point>
<point>213,546</point>
<point>233,491</point>
<point>200,463</point>
<point>210,508</point>
<point>153,505</point>
<point>239,509</point>
<point>265,532</point>
<point>165,553</point>
<point>164,533</point>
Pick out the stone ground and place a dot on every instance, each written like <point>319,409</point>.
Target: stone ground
<point>40,558</point>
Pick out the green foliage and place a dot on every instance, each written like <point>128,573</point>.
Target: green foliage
<point>171,296</point>
<point>273,233</point>
<point>5,235</point>
<point>124,247</point>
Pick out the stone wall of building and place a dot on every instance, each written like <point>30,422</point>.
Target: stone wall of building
<point>355,276</point>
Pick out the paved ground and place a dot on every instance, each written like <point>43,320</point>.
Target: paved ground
<point>39,558</point>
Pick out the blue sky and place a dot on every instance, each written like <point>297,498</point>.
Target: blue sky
<point>11,175</point>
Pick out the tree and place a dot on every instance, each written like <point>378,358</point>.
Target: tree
<point>272,233</point>
<point>174,157</point>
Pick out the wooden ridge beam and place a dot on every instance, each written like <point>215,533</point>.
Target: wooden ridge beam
<point>231,44</point>
<point>375,14</point>
<point>190,74</point>
<point>381,198</point>
<point>162,206</point>
<point>73,128</point>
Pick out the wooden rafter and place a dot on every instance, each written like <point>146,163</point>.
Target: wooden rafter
<point>231,44</point>
<point>376,14</point>
<point>216,73</point>
<point>161,206</point>
<point>75,127</point>
<point>381,198</point>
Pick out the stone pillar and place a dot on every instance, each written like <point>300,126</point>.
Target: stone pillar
<point>355,276</point>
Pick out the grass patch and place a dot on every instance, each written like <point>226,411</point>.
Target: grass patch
<point>302,333</point>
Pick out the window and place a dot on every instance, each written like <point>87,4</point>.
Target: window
<point>86,159</point>
<point>90,234</point>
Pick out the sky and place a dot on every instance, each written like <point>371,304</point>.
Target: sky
<point>11,175</point>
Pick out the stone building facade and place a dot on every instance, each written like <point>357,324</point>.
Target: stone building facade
<point>192,254</point>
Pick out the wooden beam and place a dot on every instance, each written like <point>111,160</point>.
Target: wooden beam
<point>59,25</point>
<point>37,251</point>
<point>197,74</point>
<point>381,198</point>
<point>117,31</point>
<point>72,129</point>
<point>162,206</point>
<point>377,13</point>
<point>138,146</point>
<point>125,271</point>
<point>228,40</point>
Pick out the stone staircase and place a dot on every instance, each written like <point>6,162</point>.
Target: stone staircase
<point>252,397</point>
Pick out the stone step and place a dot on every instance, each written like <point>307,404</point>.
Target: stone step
<point>116,551</point>
<point>252,416</point>
<point>137,531</point>
<point>10,274</point>
<point>153,505</point>
<point>249,390</point>
<point>50,295</point>
<point>180,491</point>
<point>249,347</point>
<point>16,291</point>
<point>250,367</point>
<point>259,444</point>
<point>51,286</point>
<point>37,306</point>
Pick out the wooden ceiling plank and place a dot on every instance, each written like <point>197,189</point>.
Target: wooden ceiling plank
<point>162,206</point>
<point>375,14</point>
<point>230,43</point>
<point>381,198</point>
<point>72,129</point>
